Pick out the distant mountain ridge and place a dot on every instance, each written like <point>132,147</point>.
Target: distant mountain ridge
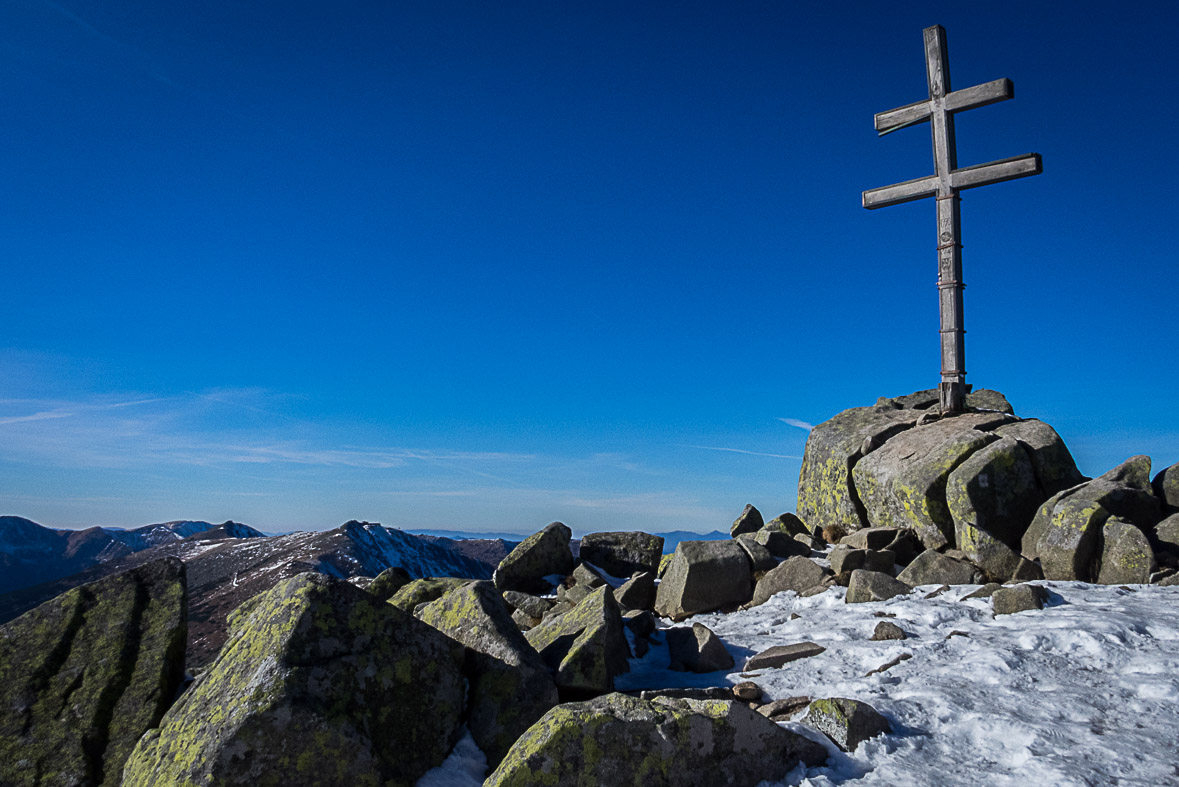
<point>31,553</point>
<point>224,570</point>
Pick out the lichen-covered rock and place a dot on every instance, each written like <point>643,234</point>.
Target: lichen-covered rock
<point>696,649</point>
<point>848,723</point>
<point>873,586</point>
<point>992,498</point>
<point>1052,464</point>
<point>704,576</point>
<point>796,573</point>
<point>1018,598</point>
<point>638,592</point>
<point>1066,533</point>
<point>622,554</point>
<point>585,648</point>
<point>540,555</point>
<point>827,495</point>
<point>510,686</point>
<point>85,674</point>
<point>903,483</point>
<point>1126,556</point>
<point>320,683</point>
<point>664,563</point>
<point>934,568</point>
<point>617,741</point>
<point>422,591</point>
<point>1166,488</point>
<point>389,582</point>
<point>750,521</point>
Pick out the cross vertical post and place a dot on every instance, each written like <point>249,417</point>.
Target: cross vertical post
<point>944,186</point>
<point>952,390</point>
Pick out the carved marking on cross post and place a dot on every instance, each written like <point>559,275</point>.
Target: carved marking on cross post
<point>945,184</point>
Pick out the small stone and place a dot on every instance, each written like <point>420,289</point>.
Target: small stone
<point>782,654</point>
<point>779,710</point>
<point>1018,598</point>
<point>885,631</point>
<point>889,665</point>
<point>747,691</point>
<point>848,723</point>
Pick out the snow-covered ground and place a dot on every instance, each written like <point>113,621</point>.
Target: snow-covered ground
<point>1083,692</point>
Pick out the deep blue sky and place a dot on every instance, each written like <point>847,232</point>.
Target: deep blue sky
<point>484,265</point>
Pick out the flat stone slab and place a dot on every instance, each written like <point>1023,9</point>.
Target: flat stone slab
<point>783,654</point>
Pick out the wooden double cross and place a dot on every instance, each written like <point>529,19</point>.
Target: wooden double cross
<point>945,184</point>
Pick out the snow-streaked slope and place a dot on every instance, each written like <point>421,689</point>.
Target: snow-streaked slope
<point>1083,692</point>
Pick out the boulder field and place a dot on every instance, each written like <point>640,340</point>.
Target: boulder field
<point>333,682</point>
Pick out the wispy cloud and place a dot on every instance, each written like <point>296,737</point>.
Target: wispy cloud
<point>741,451</point>
<point>795,422</point>
<point>42,416</point>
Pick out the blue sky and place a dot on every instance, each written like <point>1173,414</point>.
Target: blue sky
<point>483,266</point>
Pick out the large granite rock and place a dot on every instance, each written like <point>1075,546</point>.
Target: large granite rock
<point>796,573</point>
<point>1166,488</point>
<point>84,675</point>
<point>750,521</point>
<point>704,576</point>
<point>416,592</point>
<point>510,686</point>
<point>1126,556</point>
<point>638,592</point>
<point>848,723</point>
<point>585,648</point>
<point>696,648</point>
<point>542,554</point>
<point>828,496</point>
<point>1167,534</point>
<point>873,586</point>
<point>1052,464</point>
<point>903,483</point>
<point>617,741</point>
<point>318,683</point>
<point>1018,598</point>
<point>388,582</point>
<point>992,498</point>
<point>1066,534</point>
<point>934,568</point>
<point>622,554</point>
